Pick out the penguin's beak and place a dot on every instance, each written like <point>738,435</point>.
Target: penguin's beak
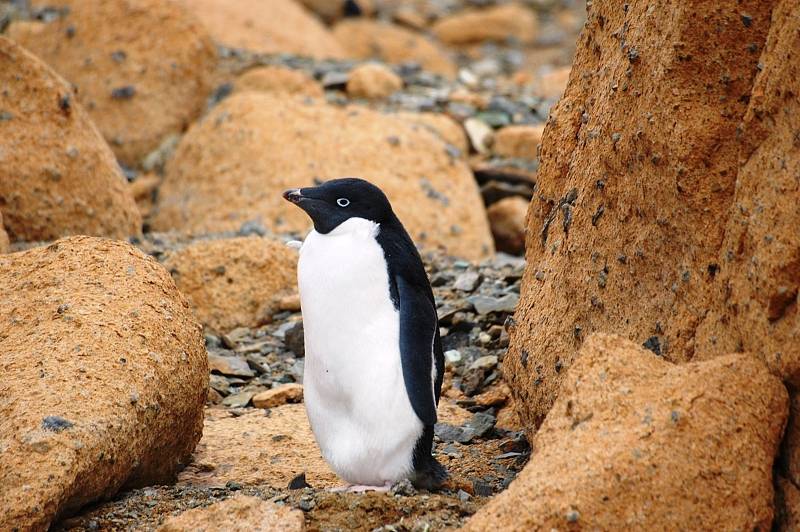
<point>293,195</point>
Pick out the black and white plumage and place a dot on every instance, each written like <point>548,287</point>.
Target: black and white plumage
<point>374,361</point>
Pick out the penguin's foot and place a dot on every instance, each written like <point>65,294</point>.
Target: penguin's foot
<point>362,489</point>
<point>357,488</point>
<point>430,477</point>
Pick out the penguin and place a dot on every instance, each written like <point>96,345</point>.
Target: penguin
<point>374,362</point>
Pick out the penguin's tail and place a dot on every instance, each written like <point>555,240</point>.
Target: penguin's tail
<point>428,474</point>
<point>430,477</point>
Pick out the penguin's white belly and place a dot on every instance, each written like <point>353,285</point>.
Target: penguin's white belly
<point>355,395</point>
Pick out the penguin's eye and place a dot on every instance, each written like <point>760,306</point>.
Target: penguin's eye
<point>342,202</point>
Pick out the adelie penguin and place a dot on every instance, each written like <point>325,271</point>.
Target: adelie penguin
<point>374,361</point>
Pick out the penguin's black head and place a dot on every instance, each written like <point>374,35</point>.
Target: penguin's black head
<point>336,201</point>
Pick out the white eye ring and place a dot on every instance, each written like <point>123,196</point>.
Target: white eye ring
<point>342,202</point>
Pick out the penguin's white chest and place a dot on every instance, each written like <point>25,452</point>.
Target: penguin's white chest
<point>355,395</point>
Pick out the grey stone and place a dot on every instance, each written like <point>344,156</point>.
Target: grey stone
<point>485,304</point>
<point>468,281</point>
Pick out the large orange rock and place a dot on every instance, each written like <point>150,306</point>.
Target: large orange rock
<point>276,26</point>
<point>496,23</point>
<point>104,377</point>
<point>142,67</point>
<point>214,183</point>
<point>637,177</point>
<point>636,443</point>
<point>57,175</point>
<point>369,39</point>
<point>759,260</point>
<point>234,282</point>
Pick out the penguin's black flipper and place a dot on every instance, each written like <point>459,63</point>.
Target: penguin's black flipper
<point>419,330</point>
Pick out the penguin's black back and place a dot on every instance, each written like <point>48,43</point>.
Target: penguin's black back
<point>402,259</point>
<point>412,296</point>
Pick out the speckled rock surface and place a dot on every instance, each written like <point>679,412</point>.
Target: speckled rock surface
<point>257,448</point>
<point>637,175</point>
<point>759,259</point>
<point>448,129</point>
<point>630,432</point>
<point>266,27</point>
<point>369,39</point>
<point>214,185</point>
<point>57,175</point>
<point>240,513</point>
<point>497,23</point>
<point>104,377</point>
<point>142,67</point>
<point>373,80</point>
<point>279,80</point>
<point>234,282</point>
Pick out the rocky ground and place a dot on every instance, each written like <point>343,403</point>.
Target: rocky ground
<point>153,378</point>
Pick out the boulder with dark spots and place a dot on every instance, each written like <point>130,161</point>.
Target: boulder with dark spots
<point>759,260</point>
<point>620,448</point>
<point>213,184</point>
<point>277,26</point>
<point>57,175</point>
<point>234,282</point>
<point>104,377</point>
<point>757,270</point>
<point>138,89</point>
<point>645,134</point>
